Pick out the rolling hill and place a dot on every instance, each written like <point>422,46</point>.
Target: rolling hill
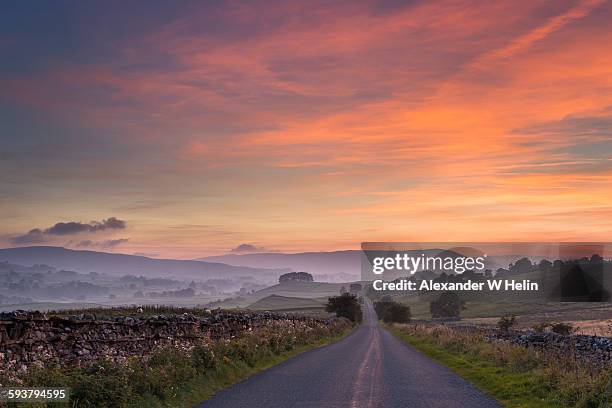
<point>121,264</point>
<point>276,302</point>
<point>338,266</point>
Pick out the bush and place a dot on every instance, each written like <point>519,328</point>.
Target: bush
<point>168,369</point>
<point>102,385</point>
<point>506,323</point>
<point>540,327</point>
<point>564,329</point>
<point>345,305</point>
<point>449,304</point>
<point>203,359</point>
<point>392,312</point>
<point>242,349</point>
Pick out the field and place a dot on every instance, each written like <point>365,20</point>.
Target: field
<point>286,303</point>
<point>296,292</point>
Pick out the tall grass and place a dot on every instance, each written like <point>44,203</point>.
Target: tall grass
<point>546,377</point>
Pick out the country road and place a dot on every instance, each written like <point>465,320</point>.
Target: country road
<point>369,368</point>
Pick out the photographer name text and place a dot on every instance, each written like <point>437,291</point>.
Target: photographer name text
<point>430,285</point>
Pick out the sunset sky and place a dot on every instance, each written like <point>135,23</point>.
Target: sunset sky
<point>181,129</point>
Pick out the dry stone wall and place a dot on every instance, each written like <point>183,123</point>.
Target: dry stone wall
<point>28,339</point>
<point>594,348</point>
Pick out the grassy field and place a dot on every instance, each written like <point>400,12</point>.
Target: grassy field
<point>515,376</point>
<point>46,306</point>
<point>299,290</point>
<point>286,303</point>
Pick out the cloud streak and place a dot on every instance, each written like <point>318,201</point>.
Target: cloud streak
<point>108,244</point>
<point>37,235</point>
<point>246,248</point>
<point>582,9</point>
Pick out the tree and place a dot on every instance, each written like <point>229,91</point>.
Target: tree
<point>392,312</point>
<point>296,277</point>
<point>544,265</point>
<point>521,266</point>
<point>449,304</point>
<point>345,305</point>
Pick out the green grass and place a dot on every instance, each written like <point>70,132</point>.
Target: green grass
<point>523,383</point>
<point>277,302</point>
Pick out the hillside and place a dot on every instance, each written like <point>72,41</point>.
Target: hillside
<point>335,266</point>
<point>303,290</point>
<point>276,302</point>
<point>341,266</point>
<point>121,264</point>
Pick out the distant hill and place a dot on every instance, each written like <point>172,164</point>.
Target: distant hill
<point>121,264</point>
<point>276,302</point>
<point>345,266</point>
<point>338,266</point>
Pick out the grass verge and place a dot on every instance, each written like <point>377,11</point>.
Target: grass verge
<point>513,375</point>
<point>233,372</point>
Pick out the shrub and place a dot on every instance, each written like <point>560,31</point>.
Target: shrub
<point>563,328</point>
<point>506,323</point>
<point>168,370</point>
<point>540,327</point>
<point>103,384</point>
<point>392,312</point>
<point>449,304</point>
<point>345,305</point>
<point>203,359</point>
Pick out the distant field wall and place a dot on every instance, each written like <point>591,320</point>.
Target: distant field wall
<point>33,339</point>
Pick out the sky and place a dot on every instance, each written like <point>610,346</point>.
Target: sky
<point>182,129</point>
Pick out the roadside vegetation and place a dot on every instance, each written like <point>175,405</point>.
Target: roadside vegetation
<point>516,376</point>
<point>392,312</point>
<point>173,377</point>
<point>345,305</point>
<point>447,305</point>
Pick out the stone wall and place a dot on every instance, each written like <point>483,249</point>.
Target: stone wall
<point>34,339</point>
<point>594,348</point>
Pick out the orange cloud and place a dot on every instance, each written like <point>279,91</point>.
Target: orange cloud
<point>333,125</point>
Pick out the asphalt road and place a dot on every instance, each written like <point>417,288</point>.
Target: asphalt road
<point>370,368</point>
